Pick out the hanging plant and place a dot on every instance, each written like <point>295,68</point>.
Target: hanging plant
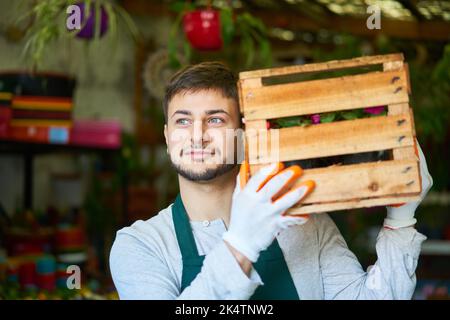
<point>50,18</point>
<point>215,28</point>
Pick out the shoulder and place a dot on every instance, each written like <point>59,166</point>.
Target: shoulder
<point>154,236</point>
<point>145,260</point>
<point>322,221</point>
<point>319,229</point>
<point>158,226</point>
<point>327,230</point>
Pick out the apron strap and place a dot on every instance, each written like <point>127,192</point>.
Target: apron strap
<point>183,231</point>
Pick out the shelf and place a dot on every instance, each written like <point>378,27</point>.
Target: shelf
<point>437,198</point>
<point>429,248</point>
<point>19,146</point>
<point>28,150</point>
<point>436,247</point>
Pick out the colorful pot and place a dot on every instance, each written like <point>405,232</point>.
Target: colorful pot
<point>42,84</point>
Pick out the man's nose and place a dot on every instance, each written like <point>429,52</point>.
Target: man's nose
<point>197,134</point>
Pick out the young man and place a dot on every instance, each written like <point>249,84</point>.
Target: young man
<point>227,238</point>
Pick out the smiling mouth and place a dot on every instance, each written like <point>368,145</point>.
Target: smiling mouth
<point>198,154</point>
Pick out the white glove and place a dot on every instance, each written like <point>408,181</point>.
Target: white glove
<point>255,218</point>
<point>403,216</point>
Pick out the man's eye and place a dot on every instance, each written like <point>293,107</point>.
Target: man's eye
<point>182,122</point>
<point>216,120</point>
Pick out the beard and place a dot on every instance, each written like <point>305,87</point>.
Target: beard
<point>207,175</point>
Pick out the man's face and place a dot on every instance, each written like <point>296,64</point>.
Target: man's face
<point>200,134</point>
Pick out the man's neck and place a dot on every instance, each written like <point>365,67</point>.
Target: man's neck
<point>209,200</point>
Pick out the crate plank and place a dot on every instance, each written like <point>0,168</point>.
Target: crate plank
<point>393,109</point>
<point>337,138</point>
<point>323,66</point>
<point>364,180</point>
<point>319,96</point>
<point>252,131</point>
<point>351,204</point>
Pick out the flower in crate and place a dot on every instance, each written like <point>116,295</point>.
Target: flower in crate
<point>315,118</point>
<point>374,110</point>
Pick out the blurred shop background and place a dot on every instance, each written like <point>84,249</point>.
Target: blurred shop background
<point>82,152</point>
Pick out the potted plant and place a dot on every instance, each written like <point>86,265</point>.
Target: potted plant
<point>49,22</point>
<point>215,28</point>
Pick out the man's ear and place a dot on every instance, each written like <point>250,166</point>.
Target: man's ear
<point>165,135</point>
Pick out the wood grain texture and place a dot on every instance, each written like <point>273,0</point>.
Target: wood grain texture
<point>323,66</point>
<point>336,138</point>
<point>319,96</point>
<point>394,109</point>
<point>351,204</point>
<point>360,181</point>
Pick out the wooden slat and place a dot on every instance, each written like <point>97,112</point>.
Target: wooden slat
<point>353,204</point>
<point>338,138</point>
<point>255,125</point>
<point>396,109</point>
<point>250,83</point>
<point>322,66</point>
<point>393,109</point>
<point>318,96</point>
<point>363,180</point>
<point>253,128</point>
<point>360,181</point>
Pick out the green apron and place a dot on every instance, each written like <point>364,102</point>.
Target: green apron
<point>271,266</point>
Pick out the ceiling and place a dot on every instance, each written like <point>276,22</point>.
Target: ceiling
<point>403,19</point>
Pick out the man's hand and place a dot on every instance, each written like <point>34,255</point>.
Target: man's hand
<point>400,216</point>
<point>258,207</point>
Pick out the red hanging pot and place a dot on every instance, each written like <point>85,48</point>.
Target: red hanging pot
<point>202,28</point>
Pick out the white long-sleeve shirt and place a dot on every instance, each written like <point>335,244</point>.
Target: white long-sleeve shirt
<point>145,262</point>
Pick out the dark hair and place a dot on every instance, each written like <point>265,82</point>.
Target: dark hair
<point>202,76</point>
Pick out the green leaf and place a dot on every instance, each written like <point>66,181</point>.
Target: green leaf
<point>265,53</point>
<point>288,122</point>
<point>172,50</point>
<point>227,25</point>
<point>248,50</point>
<point>352,114</point>
<point>98,11</point>
<point>187,50</point>
<point>327,117</point>
<point>181,6</point>
<point>305,122</point>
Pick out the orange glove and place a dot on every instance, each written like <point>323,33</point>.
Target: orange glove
<point>259,206</point>
<point>244,174</point>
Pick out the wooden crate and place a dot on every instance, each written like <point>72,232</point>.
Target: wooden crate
<point>338,187</point>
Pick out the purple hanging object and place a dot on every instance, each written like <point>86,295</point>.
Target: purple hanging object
<point>88,31</point>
